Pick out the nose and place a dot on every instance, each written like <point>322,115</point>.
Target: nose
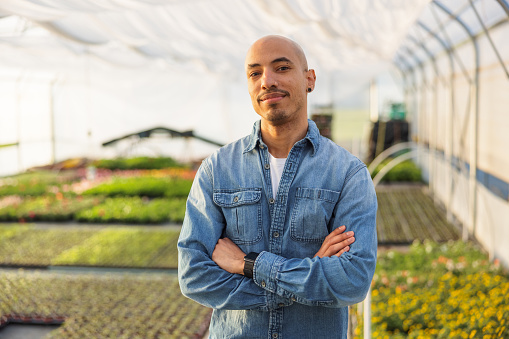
<point>268,80</point>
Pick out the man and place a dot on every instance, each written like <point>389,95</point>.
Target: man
<point>264,240</point>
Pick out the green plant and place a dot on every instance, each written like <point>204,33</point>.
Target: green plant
<point>143,186</point>
<point>47,208</point>
<point>136,163</point>
<point>406,171</point>
<point>28,245</point>
<point>436,290</point>
<point>35,183</point>
<point>116,247</point>
<point>176,209</point>
<point>132,210</point>
<point>178,188</point>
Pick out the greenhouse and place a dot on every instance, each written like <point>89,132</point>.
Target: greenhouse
<point>108,108</point>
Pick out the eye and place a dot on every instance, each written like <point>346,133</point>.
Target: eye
<point>254,74</point>
<point>283,68</point>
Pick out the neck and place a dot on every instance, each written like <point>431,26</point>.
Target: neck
<point>281,138</point>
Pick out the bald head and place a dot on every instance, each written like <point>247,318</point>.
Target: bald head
<point>273,41</point>
<point>278,81</point>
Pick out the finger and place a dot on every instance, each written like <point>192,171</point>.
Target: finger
<point>343,236</point>
<point>333,245</point>
<point>339,238</point>
<point>339,230</point>
<point>335,232</point>
<point>346,249</point>
<point>336,236</point>
<point>332,250</point>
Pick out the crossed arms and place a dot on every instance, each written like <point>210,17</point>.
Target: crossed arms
<point>230,257</point>
<point>339,274</point>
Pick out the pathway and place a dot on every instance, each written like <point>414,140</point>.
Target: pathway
<point>407,213</point>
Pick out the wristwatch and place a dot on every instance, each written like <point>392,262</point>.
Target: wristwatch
<point>249,261</point>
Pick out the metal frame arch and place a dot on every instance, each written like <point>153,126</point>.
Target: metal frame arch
<point>452,55</point>
<point>486,32</point>
<point>430,55</point>
<point>448,48</point>
<point>404,76</point>
<point>474,114</point>
<point>408,75</point>
<point>434,114</point>
<point>451,112</point>
<point>469,67</point>
<point>465,73</point>
<point>505,6</point>
<point>426,87</point>
<point>473,106</point>
<point>418,65</point>
<point>403,61</point>
<point>416,88</point>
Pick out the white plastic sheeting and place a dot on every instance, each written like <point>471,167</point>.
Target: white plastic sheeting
<point>76,73</point>
<point>215,34</point>
<point>455,63</point>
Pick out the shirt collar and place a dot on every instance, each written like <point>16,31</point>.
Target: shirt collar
<point>313,136</point>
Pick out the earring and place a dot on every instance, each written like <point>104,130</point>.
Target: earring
<point>309,89</point>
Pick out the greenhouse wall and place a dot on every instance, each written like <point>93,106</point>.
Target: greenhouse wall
<point>459,119</point>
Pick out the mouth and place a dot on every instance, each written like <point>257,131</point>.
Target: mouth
<point>272,97</point>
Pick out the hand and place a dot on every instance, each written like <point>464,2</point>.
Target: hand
<point>336,243</point>
<point>229,256</point>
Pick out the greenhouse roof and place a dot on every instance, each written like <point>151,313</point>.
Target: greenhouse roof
<point>77,73</point>
<point>210,35</point>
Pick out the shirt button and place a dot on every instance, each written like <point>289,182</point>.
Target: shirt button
<point>235,199</point>
<point>281,304</point>
<point>267,166</point>
<point>274,335</point>
<point>263,283</point>
<point>262,147</point>
<point>271,200</point>
<point>276,234</point>
<point>293,299</point>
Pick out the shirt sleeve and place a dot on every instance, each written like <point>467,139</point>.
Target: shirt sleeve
<point>330,281</point>
<point>200,278</point>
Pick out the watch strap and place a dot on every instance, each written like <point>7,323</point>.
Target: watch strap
<point>249,261</point>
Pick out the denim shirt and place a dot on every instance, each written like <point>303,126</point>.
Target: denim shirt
<point>292,294</point>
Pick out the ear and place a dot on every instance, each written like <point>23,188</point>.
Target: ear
<point>310,79</point>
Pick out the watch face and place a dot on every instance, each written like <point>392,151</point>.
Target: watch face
<point>251,256</point>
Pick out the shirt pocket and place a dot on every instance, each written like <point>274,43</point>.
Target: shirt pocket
<point>311,214</point>
<point>242,210</point>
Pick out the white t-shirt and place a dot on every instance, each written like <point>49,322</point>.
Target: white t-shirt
<point>276,171</point>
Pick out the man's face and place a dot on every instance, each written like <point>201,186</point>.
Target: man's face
<point>278,80</point>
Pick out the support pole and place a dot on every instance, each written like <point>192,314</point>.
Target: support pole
<point>367,315</point>
<point>52,118</point>
<point>19,82</point>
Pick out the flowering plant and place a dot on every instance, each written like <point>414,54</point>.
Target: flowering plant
<point>439,291</point>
